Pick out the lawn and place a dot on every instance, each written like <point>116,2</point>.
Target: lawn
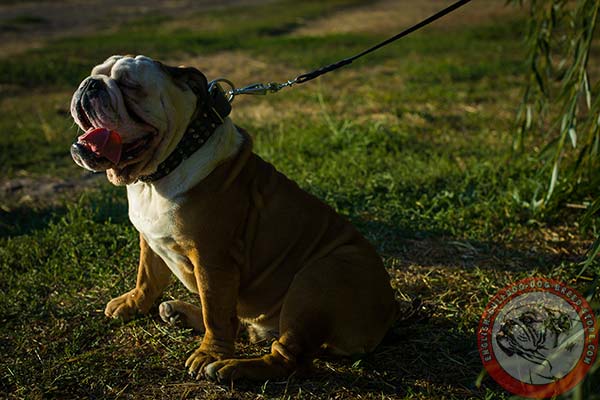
<point>412,144</point>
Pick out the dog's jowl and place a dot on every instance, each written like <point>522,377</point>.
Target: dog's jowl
<point>255,247</point>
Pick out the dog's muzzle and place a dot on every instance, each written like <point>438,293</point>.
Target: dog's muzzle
<point>88,97</point>
<point>85,158</point>
<point>93,91</point>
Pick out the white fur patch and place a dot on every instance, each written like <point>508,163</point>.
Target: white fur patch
<point>152,205</point>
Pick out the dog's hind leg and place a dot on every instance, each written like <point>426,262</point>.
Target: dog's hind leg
<point>189,315</point>
<point>342,303</point>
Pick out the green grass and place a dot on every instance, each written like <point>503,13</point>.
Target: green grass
<point>411,144</point>
<point>63,63</point>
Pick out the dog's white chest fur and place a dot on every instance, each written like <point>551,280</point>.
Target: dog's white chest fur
<point>153,215</point>
<point>152,206</point>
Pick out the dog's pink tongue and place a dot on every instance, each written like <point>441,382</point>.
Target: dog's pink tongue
<point>103,143</point>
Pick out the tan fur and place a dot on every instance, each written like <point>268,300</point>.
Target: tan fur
<point>257,249</point>
<point>261,248</point>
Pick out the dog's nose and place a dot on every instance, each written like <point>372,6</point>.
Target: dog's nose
<point>85,158</point>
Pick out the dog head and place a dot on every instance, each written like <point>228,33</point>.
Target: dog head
<point>144,108</point>
<point>530,331</point>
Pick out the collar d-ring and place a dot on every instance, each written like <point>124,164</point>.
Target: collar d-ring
<point>230,93</point>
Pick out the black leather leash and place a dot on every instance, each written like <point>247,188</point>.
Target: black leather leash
<point>212,111</point>
<point>264,88</point>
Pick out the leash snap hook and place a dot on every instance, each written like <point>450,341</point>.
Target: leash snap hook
<point>255,88</point>
<point>263,88</point>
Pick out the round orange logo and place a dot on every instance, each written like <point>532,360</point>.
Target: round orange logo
<point>538,338</point>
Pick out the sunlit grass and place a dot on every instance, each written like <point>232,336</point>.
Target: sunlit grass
<point>411,144</point>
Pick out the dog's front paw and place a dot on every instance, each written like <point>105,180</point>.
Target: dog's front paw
<point>124,306</point>
<point>262,368</point>
<point>223,370</point>
<point>199,360</point>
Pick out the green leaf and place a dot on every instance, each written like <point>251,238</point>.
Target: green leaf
<point>539,78</point>
<point>573,136</point>
<point>528,117</point>
<point>553,180</point>
<point>588,93</point>
<point>563,122</point>
<point>480,377</point>
<point>591,257</point>
<point>591,211</point>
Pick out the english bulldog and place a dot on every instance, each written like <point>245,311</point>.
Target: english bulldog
<point>543,341</point>
<point>255,247</point>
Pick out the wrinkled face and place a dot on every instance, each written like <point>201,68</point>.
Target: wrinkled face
<point>524,332</point>
<point>531,329</point>
<point>143,107</point>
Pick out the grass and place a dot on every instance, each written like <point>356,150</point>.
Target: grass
<point>411,144</point>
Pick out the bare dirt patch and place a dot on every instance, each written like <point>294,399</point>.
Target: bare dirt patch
<point>30,24</point>
<point>43,191</point>
<point>243,69</point>
<point>388,16</point>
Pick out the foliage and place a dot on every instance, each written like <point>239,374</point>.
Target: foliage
<point>560,102</point>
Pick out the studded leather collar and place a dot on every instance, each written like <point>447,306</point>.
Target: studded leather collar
<point>211,112</point>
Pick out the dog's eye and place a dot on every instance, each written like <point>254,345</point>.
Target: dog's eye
<point>127,84</point>
<point>527,320</point>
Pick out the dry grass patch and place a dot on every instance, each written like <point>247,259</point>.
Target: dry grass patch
<point>386,17</point>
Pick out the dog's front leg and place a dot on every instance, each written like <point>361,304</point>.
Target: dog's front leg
<point>218,286</point>
<point>153,277</point>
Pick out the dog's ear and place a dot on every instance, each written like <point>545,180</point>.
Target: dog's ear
<point>189,77</point>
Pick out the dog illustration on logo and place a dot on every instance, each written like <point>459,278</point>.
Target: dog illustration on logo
<point>544,340</point>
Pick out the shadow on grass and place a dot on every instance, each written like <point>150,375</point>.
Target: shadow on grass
<point>24,220</point>
<point>430,359</point>
<point>436,359</point>
<point>105,202</point>
<point>530,250</point>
